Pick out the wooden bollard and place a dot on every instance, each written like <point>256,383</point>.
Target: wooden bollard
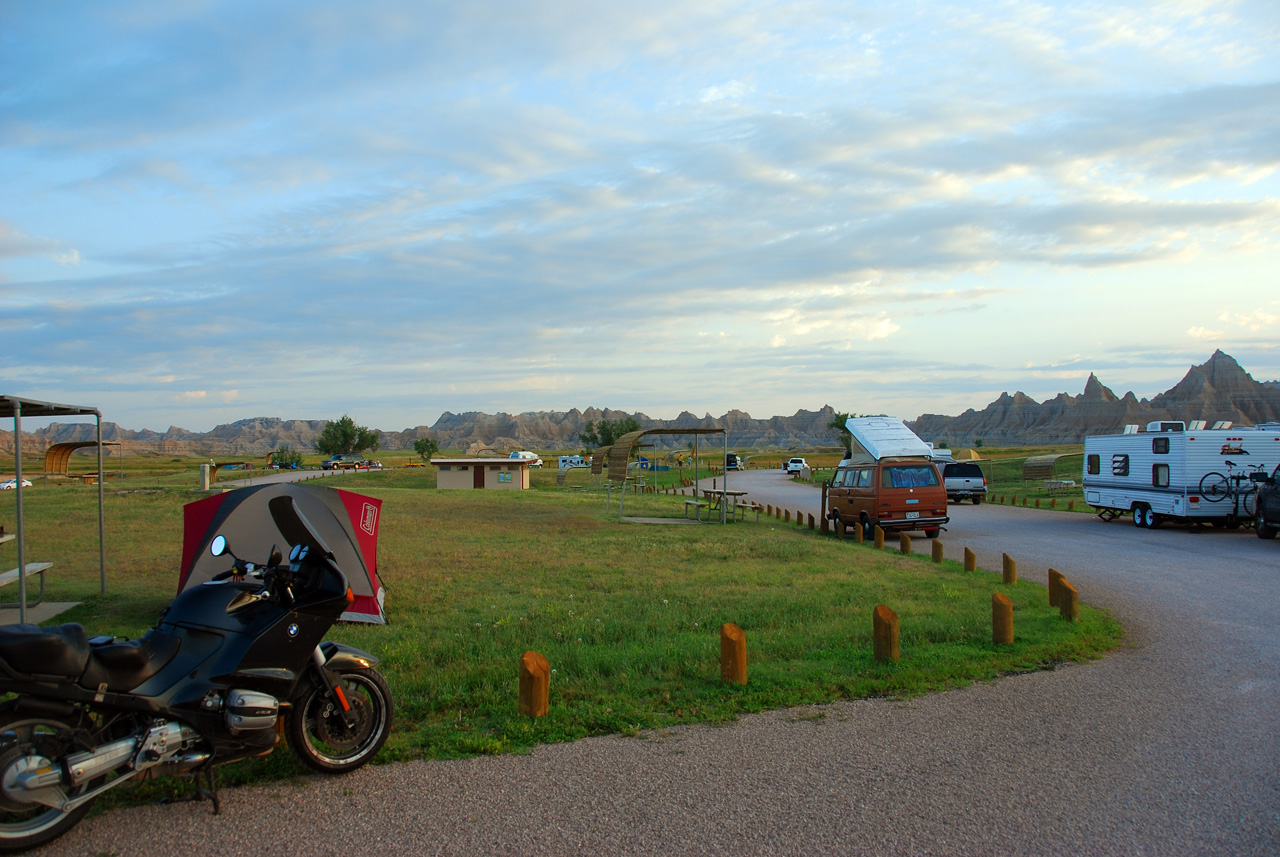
<point>824,525</point>
<point>1055,583</point>
<point>1068,601</point>
<point>879,538</point>
<point>768,509</point>
<point>1053,502</point>
<point>937,550</point>
<point>904,544</point>
<point>787,517</point>
<point>1010,570</point>
<point>970,560</point>
<point>812,523</point>
<point>535,685</point>
<point>839,529</point>
<point>1037,502</point>
<point>1071,505</point>
<point>1001,619</point>
<point>859,533</point>
<point>733,654</point>
<point>1013,501</point>
<point>884,634</point>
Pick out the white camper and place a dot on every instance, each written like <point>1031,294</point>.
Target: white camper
<point>1171,473</point>
<point>885,437</point>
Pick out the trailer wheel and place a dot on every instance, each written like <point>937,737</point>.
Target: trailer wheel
<point>1150,519</point>
<point>1139,519</point>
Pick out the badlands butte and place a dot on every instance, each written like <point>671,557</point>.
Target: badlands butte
<point>1219,389</point>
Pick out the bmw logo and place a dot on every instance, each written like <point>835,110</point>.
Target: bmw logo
<point>293,629</point>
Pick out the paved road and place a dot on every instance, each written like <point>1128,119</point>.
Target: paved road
<point>1166,747</point>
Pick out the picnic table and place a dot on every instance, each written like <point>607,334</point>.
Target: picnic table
<point>733,499</point>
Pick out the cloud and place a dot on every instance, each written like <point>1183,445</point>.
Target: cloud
<point>1251,321</point>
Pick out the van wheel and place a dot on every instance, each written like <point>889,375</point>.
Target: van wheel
<point>1139,519</point>
<point>868,530</point>
<point>931,532</point>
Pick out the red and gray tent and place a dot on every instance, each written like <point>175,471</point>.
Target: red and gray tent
<point>347,522</point>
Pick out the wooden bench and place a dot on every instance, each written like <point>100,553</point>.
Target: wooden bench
<point>33,568</point>
<point>697,506</point>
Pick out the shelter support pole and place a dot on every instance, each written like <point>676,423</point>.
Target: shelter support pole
<point>102,538</point>
<point>17,481</point>
<point>725,458</point>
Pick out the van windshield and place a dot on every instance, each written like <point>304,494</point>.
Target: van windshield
<point>909,476</point>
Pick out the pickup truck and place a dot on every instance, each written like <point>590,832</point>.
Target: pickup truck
<point>964,481</point>
<point>1266,518</point>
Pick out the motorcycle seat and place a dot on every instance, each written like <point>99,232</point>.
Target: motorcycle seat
<point>58,650</point>
<point>124,666</point>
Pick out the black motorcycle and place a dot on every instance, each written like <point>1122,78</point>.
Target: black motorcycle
<point>231,666</point>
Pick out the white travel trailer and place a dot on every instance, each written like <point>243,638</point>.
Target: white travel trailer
<point>1172,473</point>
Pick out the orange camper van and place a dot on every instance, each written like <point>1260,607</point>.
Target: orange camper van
<point>888,481</point>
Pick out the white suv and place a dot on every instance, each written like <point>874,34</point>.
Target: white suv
<point>795,465</point>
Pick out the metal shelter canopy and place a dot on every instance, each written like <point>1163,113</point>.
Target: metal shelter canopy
<point>17,408</point>
<point>620,454</point>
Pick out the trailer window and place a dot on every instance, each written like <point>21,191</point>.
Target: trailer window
<point>1160,445</point>
<point>1094,464</point>
<point>1119,465</point>
<point>1160,475</point>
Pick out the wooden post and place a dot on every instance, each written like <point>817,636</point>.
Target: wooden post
<point>812,524</point>
<point>787,517</point>
<point>733,654</point>
<point>1053,502</point>
<point>858,534</point>
<point>1068,601</point>
<point>879,538</point>
<point>1071,505</point>
<point>1055,584</point>
<point>1001,619</point>
<point>825,526</point>
<point>970,560</point>
<point>535,684</point>
<point>904,544</point>
<point>840,529</point>
<point>768,509</point>
<point>1037,502</point>
<point>884,634</point>
<point>937,550</point>
<point>1010,570</point>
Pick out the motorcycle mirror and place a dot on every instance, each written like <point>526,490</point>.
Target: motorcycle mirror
<point>218,546</point>
<point>276,557</point>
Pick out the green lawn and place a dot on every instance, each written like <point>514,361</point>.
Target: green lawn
<point>628,615</point>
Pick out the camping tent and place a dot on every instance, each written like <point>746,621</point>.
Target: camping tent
<point>347,522</point>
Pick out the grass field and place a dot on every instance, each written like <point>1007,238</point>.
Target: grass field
<point>628,615</point>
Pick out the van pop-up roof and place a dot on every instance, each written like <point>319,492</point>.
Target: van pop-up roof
<point>885,437</point>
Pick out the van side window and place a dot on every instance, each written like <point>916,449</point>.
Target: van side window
<point>837,481</point>
<point>1094,464</point>
<point>1119,465</point>
<point>1160,446</point>
<point>864,478</point>
<point>1160,475</point>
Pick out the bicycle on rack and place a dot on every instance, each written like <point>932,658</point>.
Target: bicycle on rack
<point>1240,487</point>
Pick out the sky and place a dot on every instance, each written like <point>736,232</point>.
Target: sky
<point>213,211</point>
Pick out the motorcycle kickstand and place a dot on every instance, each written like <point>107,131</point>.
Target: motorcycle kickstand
<point>210,794</point>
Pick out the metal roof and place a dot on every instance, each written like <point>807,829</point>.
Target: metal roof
<point>14,406</point>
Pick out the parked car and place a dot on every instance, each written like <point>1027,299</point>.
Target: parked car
<point>964,480</point>
<point>733,461</point>
<point>795,465</point>
<point>344,461</point>
<point>893,495</point>
<point>10,484</point>
<point>1266,519</point>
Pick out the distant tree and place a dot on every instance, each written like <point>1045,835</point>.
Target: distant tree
<point>604,433</point>
<point>286,456</point>
<point>426,447</point>
<point>837,424</point>
<point>342,437</point>
<point>978,443</point>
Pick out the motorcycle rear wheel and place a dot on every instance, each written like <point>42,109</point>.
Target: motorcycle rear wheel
<point>320,737</point>
<point>26,825</point>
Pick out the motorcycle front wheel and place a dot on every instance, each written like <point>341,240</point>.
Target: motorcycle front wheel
<point>23,823</point>
<point>320,736</point>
